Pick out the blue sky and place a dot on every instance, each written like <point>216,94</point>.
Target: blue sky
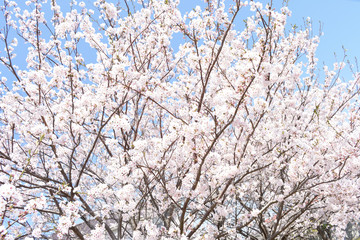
<point>340,25</point>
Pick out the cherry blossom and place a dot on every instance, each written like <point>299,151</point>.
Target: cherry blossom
<point>113,128</point>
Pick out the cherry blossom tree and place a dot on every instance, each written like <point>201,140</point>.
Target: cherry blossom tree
<point>111,129</point>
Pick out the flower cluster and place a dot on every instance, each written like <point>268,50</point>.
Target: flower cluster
<point>136,121</point>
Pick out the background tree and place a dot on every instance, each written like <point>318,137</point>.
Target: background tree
<point>111,129</point>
